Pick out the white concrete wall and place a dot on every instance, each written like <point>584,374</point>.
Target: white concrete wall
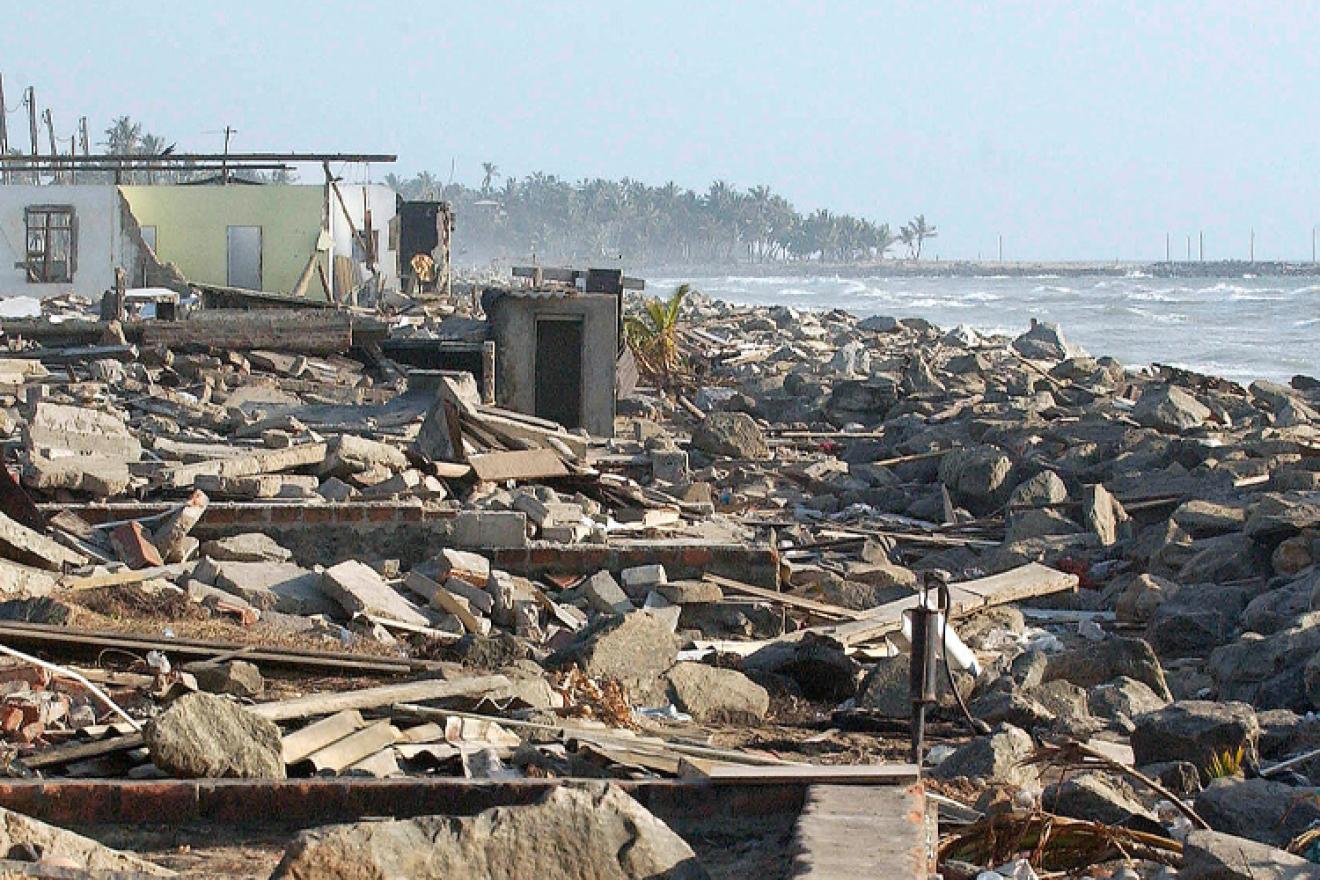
<point>100,243</point>
<point>383,204</point>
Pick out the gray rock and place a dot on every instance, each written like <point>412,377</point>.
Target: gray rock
<point>1044,488</point>
<point>1104,661</point>
<point>1023,525</point>
<point>202,736</point>
<point>1098,798</point>
<point>605,595</point>
<point>1102,514</point>
<point>995,758</point>
<point>1170,409</point>
<point>977,476</point>
<point>730,434</point>
<point>1196,620</point>
<point>819,666</point>
<point>634,649</point>
<point>237,678</point>
<point>1180,777</point>
<point>1212,855</point>
<point>357,587</point>
<point>1259,809</point>
<point>1225,558</point>
<point>1011,707</point>
<point>1197,731</point>
<point>1122,698</point>
<point>593,831</point>
<point>1044,342</point>
<point>884,690</point>
<point>1142,596</point>
<point>713,695</point>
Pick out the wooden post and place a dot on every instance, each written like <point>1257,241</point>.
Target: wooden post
<point>121,293</point>
<point>488,372</point>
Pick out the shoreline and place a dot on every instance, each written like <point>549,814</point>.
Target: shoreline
<point>991,269</point>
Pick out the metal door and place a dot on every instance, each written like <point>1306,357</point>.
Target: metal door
<point>243,261</point>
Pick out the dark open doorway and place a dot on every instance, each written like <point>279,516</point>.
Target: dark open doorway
<point>559,370</point>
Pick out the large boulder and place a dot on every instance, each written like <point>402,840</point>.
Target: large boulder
<point>1044,342</point>
<point>819,667</point>
<point>633,649</point>
<point>730,434</point>
<point>713,695</point>
<point>977,476</point>
<point>998,757</point>
<point>1170,409</point>
<point>885,688</point>
<point>1212,855</point>
<point>596,832</point>
<point>1098,663</point>
<point>1099,798</point>
<point>1197,731</point>
<point>1260,809</point>
<point>202,736</point>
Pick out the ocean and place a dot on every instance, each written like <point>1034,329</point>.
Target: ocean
<point>1240,328</point>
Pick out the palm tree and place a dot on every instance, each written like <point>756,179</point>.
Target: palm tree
<point>920,232</point>
<point>883,239</point>
<point>490,171</point>
<point>654,340</point>
<point>123,136</point>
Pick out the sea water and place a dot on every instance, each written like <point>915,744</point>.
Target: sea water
<point>1240,328</point>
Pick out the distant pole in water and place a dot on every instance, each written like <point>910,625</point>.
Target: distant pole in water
<point>1001,247</point>
<point>1251,248</point>
<point>1201,252</point>
<point>1313,244</point>
<point>1189,247</point>
<point>1168,258</point>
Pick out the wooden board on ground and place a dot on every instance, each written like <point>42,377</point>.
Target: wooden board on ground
<point>524,464</point>
<point>821,609</point>
<point>835,774</point>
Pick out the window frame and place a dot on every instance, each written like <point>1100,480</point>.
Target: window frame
<point>39,267</point>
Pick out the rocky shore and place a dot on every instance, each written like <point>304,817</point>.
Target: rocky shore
<point>1188,506</point>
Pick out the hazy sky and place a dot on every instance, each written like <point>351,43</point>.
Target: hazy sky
<point>1077,130</point>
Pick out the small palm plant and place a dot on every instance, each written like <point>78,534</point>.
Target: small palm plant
<point>653,336</point>
<point>1227,763</point>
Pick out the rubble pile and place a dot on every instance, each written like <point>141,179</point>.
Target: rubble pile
<point>1131,556</point>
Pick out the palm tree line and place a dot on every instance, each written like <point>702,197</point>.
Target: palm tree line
<point>554,219</point>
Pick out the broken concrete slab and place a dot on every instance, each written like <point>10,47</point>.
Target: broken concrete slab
<point>358,588</point>
<point>56,427</point>
<point>277,586</point>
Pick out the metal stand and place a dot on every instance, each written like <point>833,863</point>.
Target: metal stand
<point>924,660</point>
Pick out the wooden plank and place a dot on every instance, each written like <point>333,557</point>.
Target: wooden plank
<point>375,697</point>
<point>835,774</point>
<point>821,609</point>
<point>58,637</point>
<point>264,461</point>
<point>524,464</point>
<point>69,752</point>
<point>131,576</point>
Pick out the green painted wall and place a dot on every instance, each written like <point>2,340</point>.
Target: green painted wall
<point>192,228</point>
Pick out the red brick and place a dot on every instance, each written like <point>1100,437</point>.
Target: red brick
<point>286,513</point>
<point>133,547</point>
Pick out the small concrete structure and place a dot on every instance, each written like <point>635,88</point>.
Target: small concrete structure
<point>557,352</point>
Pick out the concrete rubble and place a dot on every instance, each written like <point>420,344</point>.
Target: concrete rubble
<point>251,552</point>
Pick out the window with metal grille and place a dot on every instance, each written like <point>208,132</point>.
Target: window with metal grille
<point>52,243</point>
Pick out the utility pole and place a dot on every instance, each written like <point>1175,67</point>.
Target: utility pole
<point>1251,248</point>
<point>82,128</point>
<point>1201,252</point>
<point>1001,247</point>
<point>4,133</point>
<point>224,165</point>
<point>1189,247</point>
<point>1313,228</point>
<point>54,150</point>
<point>31,99</point>
<point>1168,256</point>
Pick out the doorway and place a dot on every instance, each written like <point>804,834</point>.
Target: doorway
<point>559,370</point>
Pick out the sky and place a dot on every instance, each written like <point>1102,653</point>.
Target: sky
<point>1078,130</point>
